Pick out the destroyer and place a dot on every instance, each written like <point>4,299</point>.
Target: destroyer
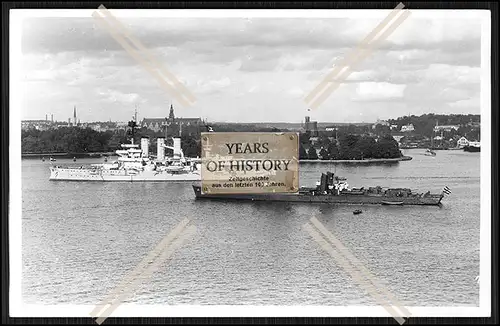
<point>134,164</point>
<point>334,189</point>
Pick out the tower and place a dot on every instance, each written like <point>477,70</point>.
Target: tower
<point>74,115</point>
<point>166,128</point>
<point>171,115</point>
<point>52,118</point>
<point>307,126</point>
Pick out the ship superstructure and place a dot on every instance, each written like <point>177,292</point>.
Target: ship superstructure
<point>135,164</point>
<point>334,189</point>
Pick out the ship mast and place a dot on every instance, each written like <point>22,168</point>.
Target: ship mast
<point>133,124</point>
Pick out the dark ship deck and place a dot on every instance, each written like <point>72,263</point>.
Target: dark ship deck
<point>333,190</point>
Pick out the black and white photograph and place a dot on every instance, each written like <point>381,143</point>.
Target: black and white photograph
<point>352,149</point>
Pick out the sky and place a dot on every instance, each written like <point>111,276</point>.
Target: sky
<point>250,69</point>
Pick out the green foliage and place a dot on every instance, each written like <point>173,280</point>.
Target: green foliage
<point>323,141</point>
<point>353,147</point>
<point>79,140</point>
<point>324,154</point>
<point>311,153</point>
<point>387,147</point>
<point>191,146</point>
<point>304,138</point>
<point>302,153</point>
<point>347,148</point>
<point>68,139</point>
<point>367,146</point>
<point>424,124</point>
<point>333,152</point>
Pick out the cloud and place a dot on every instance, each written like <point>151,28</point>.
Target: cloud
<point>376,91</point>
<point>212,86</point>
<point>263,67</point>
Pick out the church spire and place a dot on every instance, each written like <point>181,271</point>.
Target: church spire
<point>171,115</point>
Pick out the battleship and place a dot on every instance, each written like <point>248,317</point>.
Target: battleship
<point>135,165</point>
<point>335,190</point>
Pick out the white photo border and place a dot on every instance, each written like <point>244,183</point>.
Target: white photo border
<point>19,309</point>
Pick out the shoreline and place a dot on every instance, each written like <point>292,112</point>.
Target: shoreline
<point>87,155</point>
<point>67,155</point>
<point>372,160</point>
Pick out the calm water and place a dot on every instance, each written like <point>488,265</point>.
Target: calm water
<point>80,239</point>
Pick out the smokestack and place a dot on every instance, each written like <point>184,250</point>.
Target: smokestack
<point>160,149</point>
<point>177,146</point>
<point>145,147</point>
<point>46,119</point>
<point>52,117</point>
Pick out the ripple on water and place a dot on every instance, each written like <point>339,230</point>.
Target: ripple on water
<point>80,240</point>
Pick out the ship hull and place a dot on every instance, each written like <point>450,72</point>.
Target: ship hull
<point>431,200</point>
<point>75,174</point>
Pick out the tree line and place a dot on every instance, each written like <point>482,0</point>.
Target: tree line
<point>424,124</point>
<point>86,140</point>
<point>349,147</point>
<point>70,140</point>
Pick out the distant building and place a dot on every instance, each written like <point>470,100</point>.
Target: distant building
<point>311,126</point>
<point>155,124</point>
<point>380,123</point>
<point>36,124</point>
<point>313,140</point>
<point>446,128</point>
<point>95,126</point>
<point>398,138</point>
<point>121,125</point>
<point>462,142</point>
<point>407,128</point>
<point>174,126</point>
<point>394,127</point>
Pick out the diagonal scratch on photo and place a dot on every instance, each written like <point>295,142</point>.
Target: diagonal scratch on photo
<point>356,56</point>
<point>153,261</point>
<point>226,163</point>
<point>352,266</point>
<point>104,15</point>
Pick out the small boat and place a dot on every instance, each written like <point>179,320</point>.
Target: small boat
<point>358,211</point>
<point>43,159</point>
<point>74,159</point>
<point>105,159</point>
<point>392,203</point>
<point>52,159</point>
<point>430,152</point>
